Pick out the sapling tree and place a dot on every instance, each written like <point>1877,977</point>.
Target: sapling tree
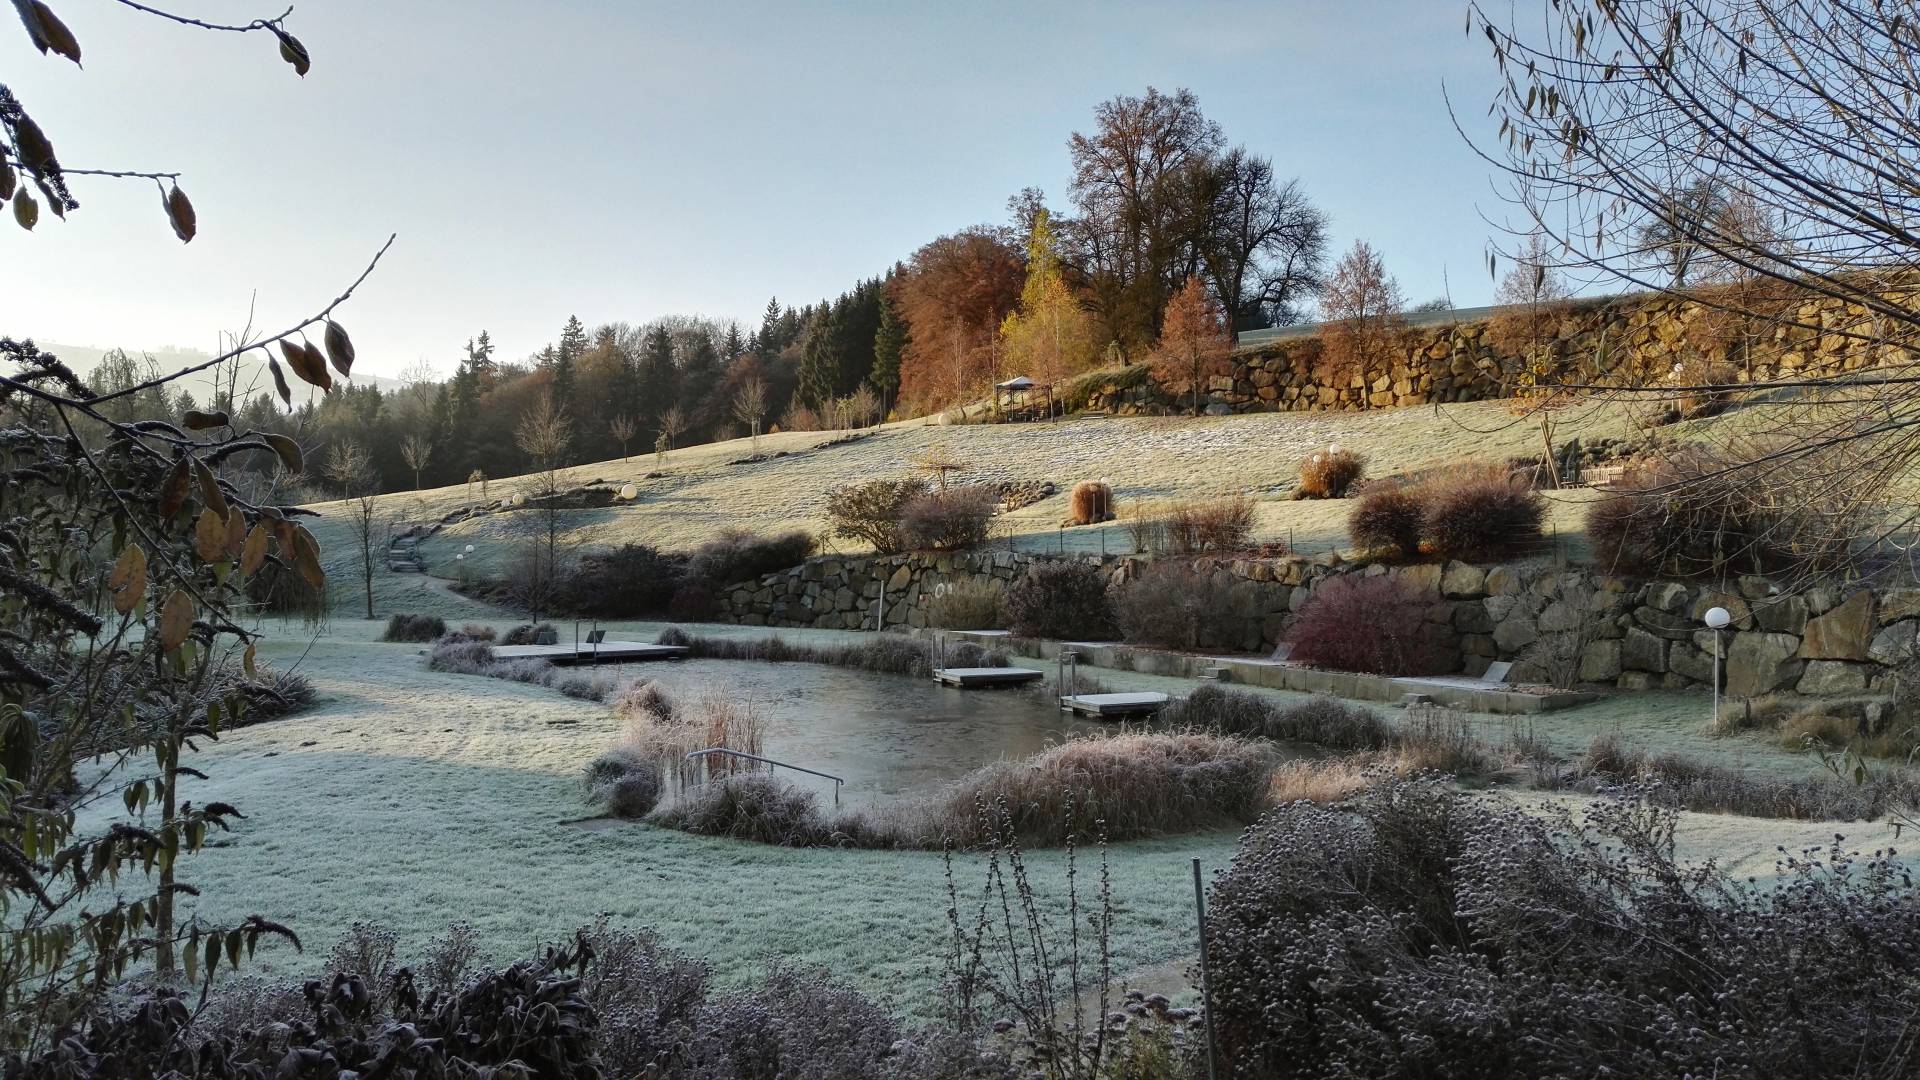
<point>124,558</point>
<point>349,469</point>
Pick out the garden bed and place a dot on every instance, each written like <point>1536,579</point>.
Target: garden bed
<point>1281,675</point>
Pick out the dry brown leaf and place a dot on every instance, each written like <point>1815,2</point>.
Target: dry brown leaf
<point>210,492</point>
<point>246,661</point>
<point>128,582</point>
<point>236,533</point>
<point>173,490</point>
<point>294,53</point>
<point>339,348</point>
<point>306,558</point>
<point>201,421</point>
<point>180,213</point>
<point>287,450</point>
<point>36,153</point>
<point>254,553</point>
<point>210,536</point>
<point>280,382</point>
<point>52,32</point>
<point>317,361</point>
<point>176,618</point>
<point>26,212</point>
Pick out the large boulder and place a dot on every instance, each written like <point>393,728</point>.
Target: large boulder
<point>1897,604</point>
<point>1760,662</point>
<point>1894,644</point>
<point>1600,662</point>
<point>1515,632</point>
<point>1845,633</point>
<point>1785,614</point>
<point>1641,651</point>
<point>1463,581</point>
<point>1667,596</point>
<point>1831,678</point>
<point>1693,662</point>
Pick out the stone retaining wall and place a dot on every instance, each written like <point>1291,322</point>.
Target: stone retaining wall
<point>1638,340</point>
<point>1624,633</point>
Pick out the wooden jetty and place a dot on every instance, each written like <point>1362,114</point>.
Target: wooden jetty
<point>1106,706</point>
<point>598,652</point>
<point>968,678</point>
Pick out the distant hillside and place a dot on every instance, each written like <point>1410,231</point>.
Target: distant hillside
<point>253,373</point>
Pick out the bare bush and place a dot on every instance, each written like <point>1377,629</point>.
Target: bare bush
<point>1371,624</point>
<point>1064,600</point>
<point>1330,473</point>
<point>1483,514</point>
<point>1219,524</point>
<point>967,605</point>
<point>1172,604</point>
<point>953,519</point>
<point>1389,518</point>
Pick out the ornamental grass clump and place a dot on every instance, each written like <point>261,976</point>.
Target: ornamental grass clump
<point>1329,473</point>
<point>1090,503</point>
<point>967,605</point>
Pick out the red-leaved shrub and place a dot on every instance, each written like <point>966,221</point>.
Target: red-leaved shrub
<point>1483,514</point>
<point>1373,624</point>
<point>1389,518</point>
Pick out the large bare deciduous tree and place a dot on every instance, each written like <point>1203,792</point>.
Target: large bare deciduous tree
<point>1758,156</point>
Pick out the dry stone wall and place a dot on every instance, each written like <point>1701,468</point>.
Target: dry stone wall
<point>1637,340</point>
<point>1614,631</point>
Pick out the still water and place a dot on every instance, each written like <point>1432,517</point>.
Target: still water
<point>885,735</point>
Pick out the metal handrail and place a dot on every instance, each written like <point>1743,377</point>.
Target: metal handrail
<point>837,781</point>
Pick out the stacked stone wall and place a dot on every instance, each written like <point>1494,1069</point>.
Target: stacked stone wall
<point>1629,634</point>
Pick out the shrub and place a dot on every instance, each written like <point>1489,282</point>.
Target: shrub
<point>739,555</point>
<point>1066,600</point>
<point>626,785</point>
<point>1149,526</point>
<point>1483,514</point>
<point>1372,624</point>
<point>414,628</point>
<point>461,657</point>
<point>950,520</point>
<point>693,602</point>
<point>871,511</point>
<point>525,633</point>
<point>889,653</point>
<point>1132,784</point>
<point>1090,503</point>
<point>1482,939</point>
<point>1389,518</point>
<point>1327,474</point>
<point>629,581</point>
<point>477,631</point>
<point>1323,720</point>
<point>1172,604</point>
<point>1689,784</point>
<point>752,807</point>
<point>1217,524</point>
<point>966,605</point>
<point>1687,516</point>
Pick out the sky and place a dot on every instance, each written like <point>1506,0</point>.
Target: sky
<point>624,160</point>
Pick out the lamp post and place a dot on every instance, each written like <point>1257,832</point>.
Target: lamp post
<point>1717,619</point>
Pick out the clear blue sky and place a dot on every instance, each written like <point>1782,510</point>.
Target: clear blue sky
<point>627,160</point>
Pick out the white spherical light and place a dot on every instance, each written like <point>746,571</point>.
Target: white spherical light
<point>1333,448</point>
<point>1717,618</point>
<point>519,498</point>
<point>628,492</point>
<point>461,557</point>
<point>468,549</point>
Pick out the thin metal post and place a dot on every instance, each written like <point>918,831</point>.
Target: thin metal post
<point>1206,979</point>
<point>1714,720</point>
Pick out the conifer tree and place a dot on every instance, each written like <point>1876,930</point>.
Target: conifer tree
<point>889,341</point>
<point>820,364</point>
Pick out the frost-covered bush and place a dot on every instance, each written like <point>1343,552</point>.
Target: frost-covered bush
<point>1371,624</point>
<point>753,807</point>
<point>742,555</point>
<point>1174,605</point>
<point>414,628</point>
<point>628,581</point>
<point>951,520</point>
<point>525,633</point>
<point>871,511</point>
<point>1322,720</point>
<point>1066,600</point>
<point>461,657</point>
<point>1416,931</point>
<point>627,784</point>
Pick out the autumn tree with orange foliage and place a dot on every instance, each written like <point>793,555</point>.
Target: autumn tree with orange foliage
<point>1361,309</point>
<point>953,295</point>
<point>1194,342</point>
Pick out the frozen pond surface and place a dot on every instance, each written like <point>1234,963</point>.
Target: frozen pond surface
<point>885,735</point>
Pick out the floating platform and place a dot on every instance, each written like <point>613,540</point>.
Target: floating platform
<point>606,652</point>
<point>1109,705</point>
<point>967,678</point>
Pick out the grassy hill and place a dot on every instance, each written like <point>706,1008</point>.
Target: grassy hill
<point>698,491</point>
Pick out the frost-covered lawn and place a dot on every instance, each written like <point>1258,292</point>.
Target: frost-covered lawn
<point>414,799</point>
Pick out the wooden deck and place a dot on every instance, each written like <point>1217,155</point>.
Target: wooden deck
<point>1101,706</point>
<point>967,678</point>
<point>607,652</point>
